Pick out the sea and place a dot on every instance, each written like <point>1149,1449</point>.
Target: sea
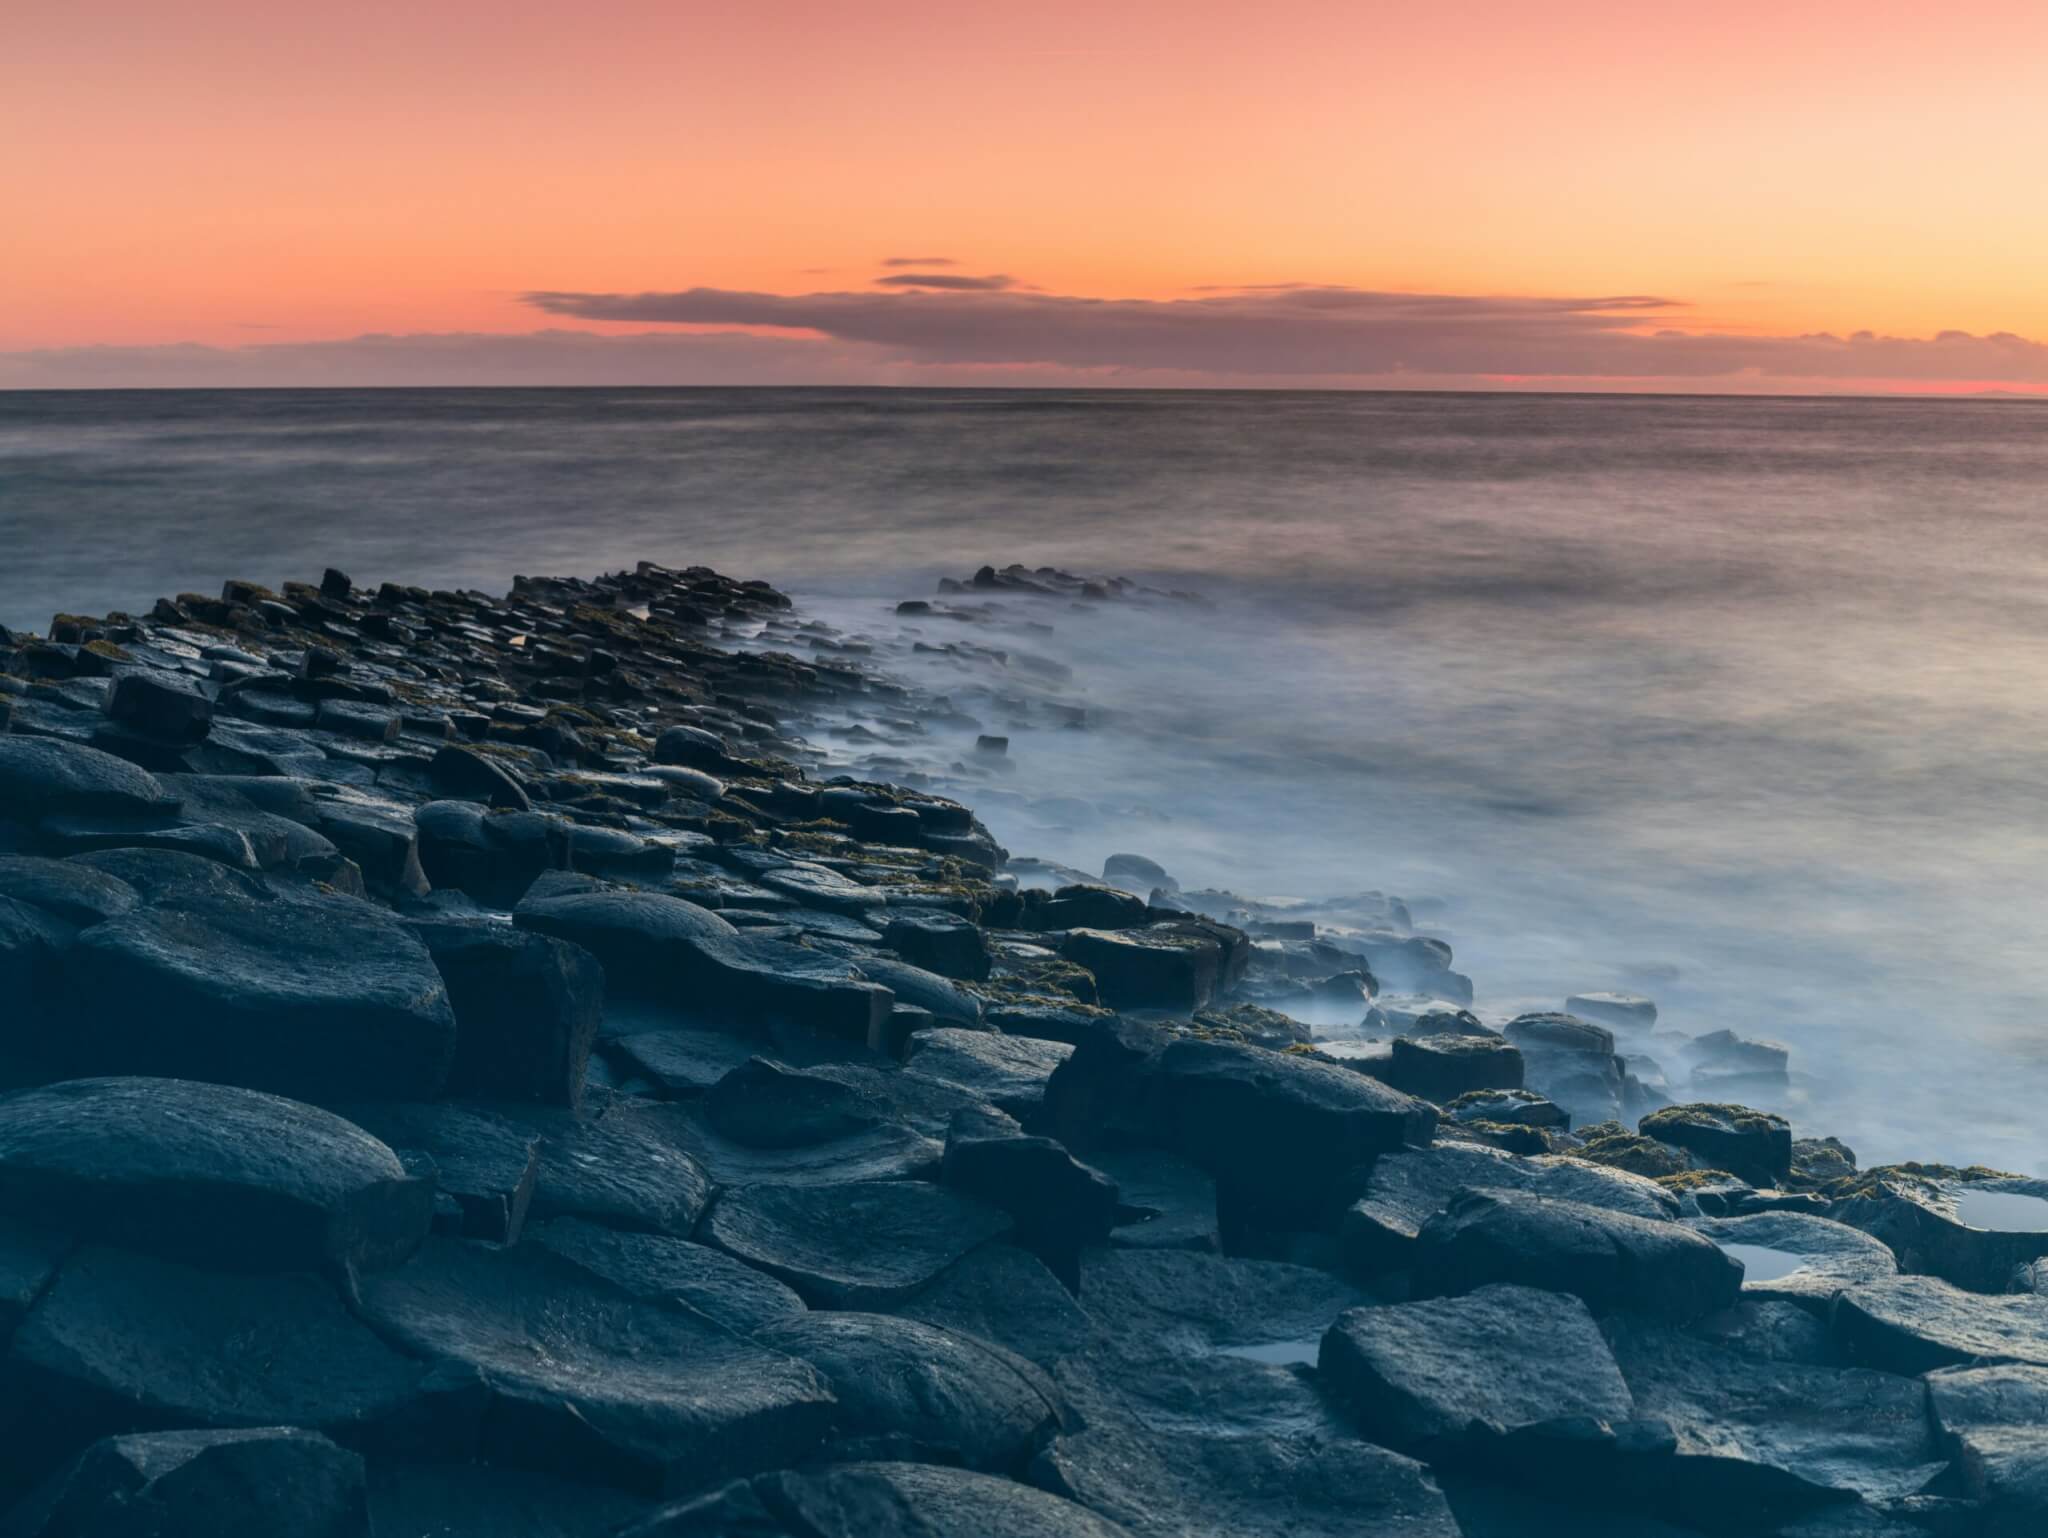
<point>1738,702</point>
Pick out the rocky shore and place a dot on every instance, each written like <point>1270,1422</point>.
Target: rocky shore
<point>481,1066</point>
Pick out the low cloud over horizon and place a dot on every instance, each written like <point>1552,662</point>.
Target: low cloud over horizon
<point>922,327</point>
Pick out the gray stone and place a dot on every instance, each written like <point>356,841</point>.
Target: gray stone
<point>317,997</point>
<point>1009,1072</point>
<point>1447,1377</point>
<point>1799,1258</point>
<point>1913,1324</point>
<point>662,1268</point>
<point>1611,1259</point>
<point>202,1484</point>
<point>579,1376</point>
<point>632,1167</point>
<point>857,1244</point>
<point>1406,1189</point>
<point>42,776</point>
<point>1005,1295</point>
<point>907,1389</point>
<point>488,1166</point>
<point>1994,1421</point>
<point>877,1500</point>
<point>225,1177</point>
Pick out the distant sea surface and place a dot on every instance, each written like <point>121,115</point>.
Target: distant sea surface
<point>1741,702</point>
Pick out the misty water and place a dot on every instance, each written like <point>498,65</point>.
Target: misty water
<point>1738,703</point>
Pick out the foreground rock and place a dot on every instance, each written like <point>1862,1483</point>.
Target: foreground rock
<point>867,1500</point>
<point>855,1245</point>
<point>1446,1378</point>
<point>1610,1259</point>
<point>230,1177</point>
<point>579,1376</point>
<point>187,1484</point>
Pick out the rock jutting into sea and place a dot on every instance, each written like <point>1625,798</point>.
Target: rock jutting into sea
<point>563,1064</point>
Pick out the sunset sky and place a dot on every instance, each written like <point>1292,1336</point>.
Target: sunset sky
<point>1464,192</point>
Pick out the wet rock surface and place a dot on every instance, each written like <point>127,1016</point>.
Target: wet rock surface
<point>560,1064</point>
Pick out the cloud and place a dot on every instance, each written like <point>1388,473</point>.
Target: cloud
<point>1280,336</point>
<point>957,282</point>
<point>919,261</point>
<point>1322,333</point>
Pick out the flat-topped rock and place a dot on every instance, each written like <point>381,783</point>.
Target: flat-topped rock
<point>1190,1483</point>
<point>1407,1188</point>
<point>1611,1259</point>
<point>224,1177</point>
<point>527,1008</point>
<point>1165,1202</point>
<point>1009,1072</point>
<point>1163,1303</point>
<point>1756,1435</point>
<point>665,1269</point>
<point>632,1167</point>
<point>857,1244</point>
<point>1798,1258</point>
<point>44,776</point>
<point>907,1389</point>
<point>1445,1377</point>
<point>867,1500</point>
<point>486,1164</point>
<point>1754,1145</point>
<point>319,997</point>
<point>72,893</point>
<point>1006,1295</point>
<point>1280,1129</point>
<point>1913,1324</point>
<point>195,1484</point>
<point>124,1342</point>
<point>582,1377</point>
<point>1995,1422</point>
<point>1973,1232</point>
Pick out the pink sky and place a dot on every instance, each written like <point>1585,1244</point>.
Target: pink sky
<point>261,186</point>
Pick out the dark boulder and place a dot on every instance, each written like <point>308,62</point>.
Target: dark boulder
<point>527,1008</point>
<point>493,856</point>
<point>1406,1189</point>
<point>1009,1072</point>
<point>1913,1324</point>
<point>166,705</point>
<point>911,1390</point>
<point>858,1244</point>
<point>1058,1203</point>
<point>1164,966</point>
<point>224,1177</point>
<point>1006,1295</point>
<point>1974,1233</point>
<point>1611,1259</point>
<point>1279,1131</point>
<point>1091,907</point>
<point>1994,1422</point>
<point>1795,1257</point>
<point>319,997</point>
<point>1449,1377</point>
<point>877,1500</point>
<point>765,1104</point>
<point>473,776</point>
<point>1441,1068</point>
<point>1757,1439</point>
<point>940,942</point>
<point>633,1167</point>
<point>1755,1146</point>
<point>202,1484</point>
<point>659,1268</point>
<point>123,1342</point>
<point>578,1376</point>
<point>42,776</point>
<point>486,1165</point>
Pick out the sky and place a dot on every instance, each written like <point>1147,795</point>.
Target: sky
<point>1802,194</point>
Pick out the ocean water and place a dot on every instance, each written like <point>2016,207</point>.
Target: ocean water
<point>1738,702</point>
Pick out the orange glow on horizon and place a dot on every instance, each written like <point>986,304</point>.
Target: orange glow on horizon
<point>228,172</point>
